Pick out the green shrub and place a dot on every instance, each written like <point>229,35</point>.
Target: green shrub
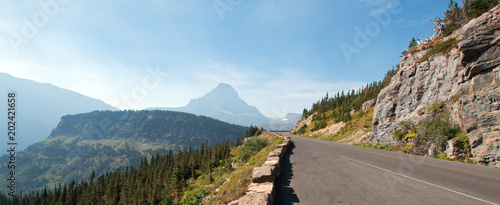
<point>443,47</point>
<point>380,146</point>
<point>462,137</point>
<point>406,125</point>
<point>398,134</point>
<point>195,196</point>
<point>300,131</point>
<point>448,29</point>
<point>438,129</point>
<point>442,156</point>
<point>437,107</point>
<point>319,125</point>
<point>251,147</point>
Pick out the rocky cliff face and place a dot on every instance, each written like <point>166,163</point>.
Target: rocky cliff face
<point>467,79</point>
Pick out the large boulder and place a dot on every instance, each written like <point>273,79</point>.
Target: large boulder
<point>368,104</point>
<point>455,149</point>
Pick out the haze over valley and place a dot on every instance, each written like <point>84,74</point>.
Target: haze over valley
<point>250,102</point>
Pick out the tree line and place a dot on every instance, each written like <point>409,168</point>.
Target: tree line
<point>158,180</point>
<point>106,140</point>
<point>457,16</point>
<point>340,105</point>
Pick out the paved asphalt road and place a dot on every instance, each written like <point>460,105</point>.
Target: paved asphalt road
<point>320,172</point>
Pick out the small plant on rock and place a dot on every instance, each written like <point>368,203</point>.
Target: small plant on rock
<point>462,137</point>
<point>398,134</point>
<point>407,129</point>
<point>443,156</point>
<point>412,135</point>
<point>438,107</point>
<point>443,47</point>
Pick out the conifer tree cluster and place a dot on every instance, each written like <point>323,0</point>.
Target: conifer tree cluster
<point>253,131</point>
<point>455,16</point>
<point>159,180</point>
<point>340,106</point>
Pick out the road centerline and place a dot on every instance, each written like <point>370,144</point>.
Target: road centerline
<point>421,181</point>
<point>420,163</point>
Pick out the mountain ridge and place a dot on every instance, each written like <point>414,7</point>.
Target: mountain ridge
<point>285,123</point>
<point>41,105</point>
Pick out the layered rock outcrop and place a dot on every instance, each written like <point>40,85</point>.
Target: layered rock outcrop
<point>303,122</point>
<point>467,79</point>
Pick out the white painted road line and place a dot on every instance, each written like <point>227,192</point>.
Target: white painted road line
<point>444,188</point>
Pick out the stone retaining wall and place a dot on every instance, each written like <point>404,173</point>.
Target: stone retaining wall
<point>261,190</point>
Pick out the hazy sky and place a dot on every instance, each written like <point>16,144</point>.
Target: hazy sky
<point>280,55</point>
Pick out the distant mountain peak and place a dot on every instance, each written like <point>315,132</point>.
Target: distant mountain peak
<point>225,90</point>
<point>224,86</point>
<point>223,103</point>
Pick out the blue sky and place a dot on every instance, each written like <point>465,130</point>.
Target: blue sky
<point>280,55</point>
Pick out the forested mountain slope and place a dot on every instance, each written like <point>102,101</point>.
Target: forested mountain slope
<point>106,140</point>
